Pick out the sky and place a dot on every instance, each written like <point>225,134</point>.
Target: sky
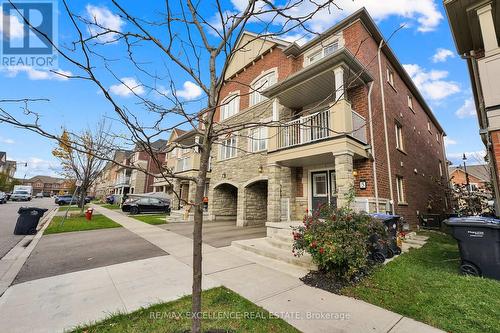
<point>424,46</point>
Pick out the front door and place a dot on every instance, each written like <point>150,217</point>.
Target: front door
<point>323,189</point>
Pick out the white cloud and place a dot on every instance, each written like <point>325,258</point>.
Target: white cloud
<point>442,55</point>
<point>190,91</point>
<point>432,83</point>
<point>37,166</point>
<point>36,74</point>
<point>128,87</point>
<point>7,141</point>
<point>449,142</point>
<point>468,109</point>
<point>473,157</point>
<point>103,19</point>
<point>424,13</point>
<point>16,29</point>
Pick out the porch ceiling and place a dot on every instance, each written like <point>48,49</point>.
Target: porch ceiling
<point>316,82</point>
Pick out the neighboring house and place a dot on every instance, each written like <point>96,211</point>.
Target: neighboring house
<point>49,185</point>
<point>184,161</point>
<point>475,25</point>
<point>114,178</point>
<point>7,167</point>
<point>349,118</point>
<point>142,181</point>
<point>479,176</point>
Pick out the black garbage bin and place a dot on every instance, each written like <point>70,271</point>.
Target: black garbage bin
<point>28,220</point>
<point>392,225</point>
<point>479,243</point>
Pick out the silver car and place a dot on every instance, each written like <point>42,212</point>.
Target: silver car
<point>3,198</point>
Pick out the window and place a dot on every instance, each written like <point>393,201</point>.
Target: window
<point>258,137</point>
<point>428,125</point>
<point>399,136</point>
<point>390,76</point>
<point>324,52</point>
<point>228,148</point>
<point>400,189</point>
<point>410,102</point>
<point>440,169</point>
<point>230,107</point>
<point>437,137</point>
<point>320,185</point>
<point>260,85</point>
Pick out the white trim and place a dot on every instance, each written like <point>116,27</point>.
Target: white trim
<point>236,95</point>
<point>309,186</point>
<point>252,91</point>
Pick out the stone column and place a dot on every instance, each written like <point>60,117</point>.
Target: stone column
<point>343,176</point>
<point>241,208</point>
<point>485,15</point>
<point>177,189</point>
<point>339,83</point>
<point>274,194</point>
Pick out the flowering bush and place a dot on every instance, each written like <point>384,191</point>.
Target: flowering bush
<point>338,240</point>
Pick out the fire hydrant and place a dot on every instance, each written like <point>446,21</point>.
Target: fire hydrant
<point>88,214</point>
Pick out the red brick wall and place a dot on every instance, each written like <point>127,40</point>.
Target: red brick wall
<point>495,140</point>
<point>422,151</point>
<point>242,81</point>
<point>458,177</point>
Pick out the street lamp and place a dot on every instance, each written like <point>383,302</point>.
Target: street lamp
<point>464,158</point>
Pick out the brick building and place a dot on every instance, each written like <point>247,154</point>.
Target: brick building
<point>149,161</point>
<point>336,112</point>
<point>50,185</point>
<point>479,176</point>
<point>475,25</point>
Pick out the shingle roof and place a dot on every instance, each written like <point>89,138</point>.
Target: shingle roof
<point>480,171</point>
<point>46,179</point>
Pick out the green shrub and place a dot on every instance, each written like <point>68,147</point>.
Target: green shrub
<point>338,240</point>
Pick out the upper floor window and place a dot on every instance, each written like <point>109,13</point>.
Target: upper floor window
<point>440,169</point>
<point>399,136</point>
<point>258,137</point>
<point>390,76</point>
<point>230,106</point>
<point>325,51</point>
<point>428,125</point>
<point>228,148</point>
<point>410,102</point>
<point>400,189</point>
<point>260,85</point>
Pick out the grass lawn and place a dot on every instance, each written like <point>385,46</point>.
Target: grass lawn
<point>111,206</point>
<point>72,208</point>
<point>79,223</point>
<point>220,304</point>
<point>151,219</point>
<point>425,284</point>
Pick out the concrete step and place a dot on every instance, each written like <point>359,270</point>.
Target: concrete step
<point>293,270</point>
<point>284,245</point>
<point>419,238</point>
<point>285,239</point>
<point>262,247</point>
<point>414,241</point>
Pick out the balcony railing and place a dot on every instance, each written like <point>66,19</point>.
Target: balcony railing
<point>121,181</point>
<point>305,129</point>
<point>358,127</point>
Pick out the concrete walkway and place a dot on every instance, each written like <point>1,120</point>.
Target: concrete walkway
<point>62,301</point>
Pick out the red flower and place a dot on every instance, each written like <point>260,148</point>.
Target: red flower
<point>314,244</point>
<point>321,250</point>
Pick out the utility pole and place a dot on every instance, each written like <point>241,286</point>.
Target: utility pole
<point>467,182</point>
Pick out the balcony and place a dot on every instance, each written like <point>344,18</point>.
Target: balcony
<point>122,181</point>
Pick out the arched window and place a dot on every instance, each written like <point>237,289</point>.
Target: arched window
<point>260,85</point>
<point>230,106</point>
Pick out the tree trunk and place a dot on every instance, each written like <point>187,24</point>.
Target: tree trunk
<point>197,240</point>
<point>81,202</point>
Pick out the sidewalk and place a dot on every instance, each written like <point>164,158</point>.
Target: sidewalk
<point>63,301</point>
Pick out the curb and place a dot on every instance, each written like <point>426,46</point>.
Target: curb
<point>14,260</point>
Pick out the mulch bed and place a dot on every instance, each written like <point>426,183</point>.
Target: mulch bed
<point>329,282</point>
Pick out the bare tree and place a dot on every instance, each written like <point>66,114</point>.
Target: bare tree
<point>186,35</point>
<point>76,153</point>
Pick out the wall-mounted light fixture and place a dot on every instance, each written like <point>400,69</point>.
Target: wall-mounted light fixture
<point>355,173</point>
<point>223,175</point>
<point>261,169</point>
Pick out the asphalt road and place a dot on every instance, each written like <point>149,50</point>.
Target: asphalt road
<point>8,218</point>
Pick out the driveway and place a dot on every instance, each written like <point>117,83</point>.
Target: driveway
<point>75,251</point>
<point>218,234</point>
<point>8,219</point>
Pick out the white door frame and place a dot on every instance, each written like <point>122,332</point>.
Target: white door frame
<point>309,186</point>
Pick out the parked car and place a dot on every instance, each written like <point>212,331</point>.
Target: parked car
<point>110,199</point>
<point>146,205</point>
<point>8,194</point>
<point>69,200</point>
<point>39,195</point>
<point>3,197</point>
<point>20,195</point>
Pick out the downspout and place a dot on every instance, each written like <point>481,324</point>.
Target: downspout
<point>372,139</point>
<point>385,125</point>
